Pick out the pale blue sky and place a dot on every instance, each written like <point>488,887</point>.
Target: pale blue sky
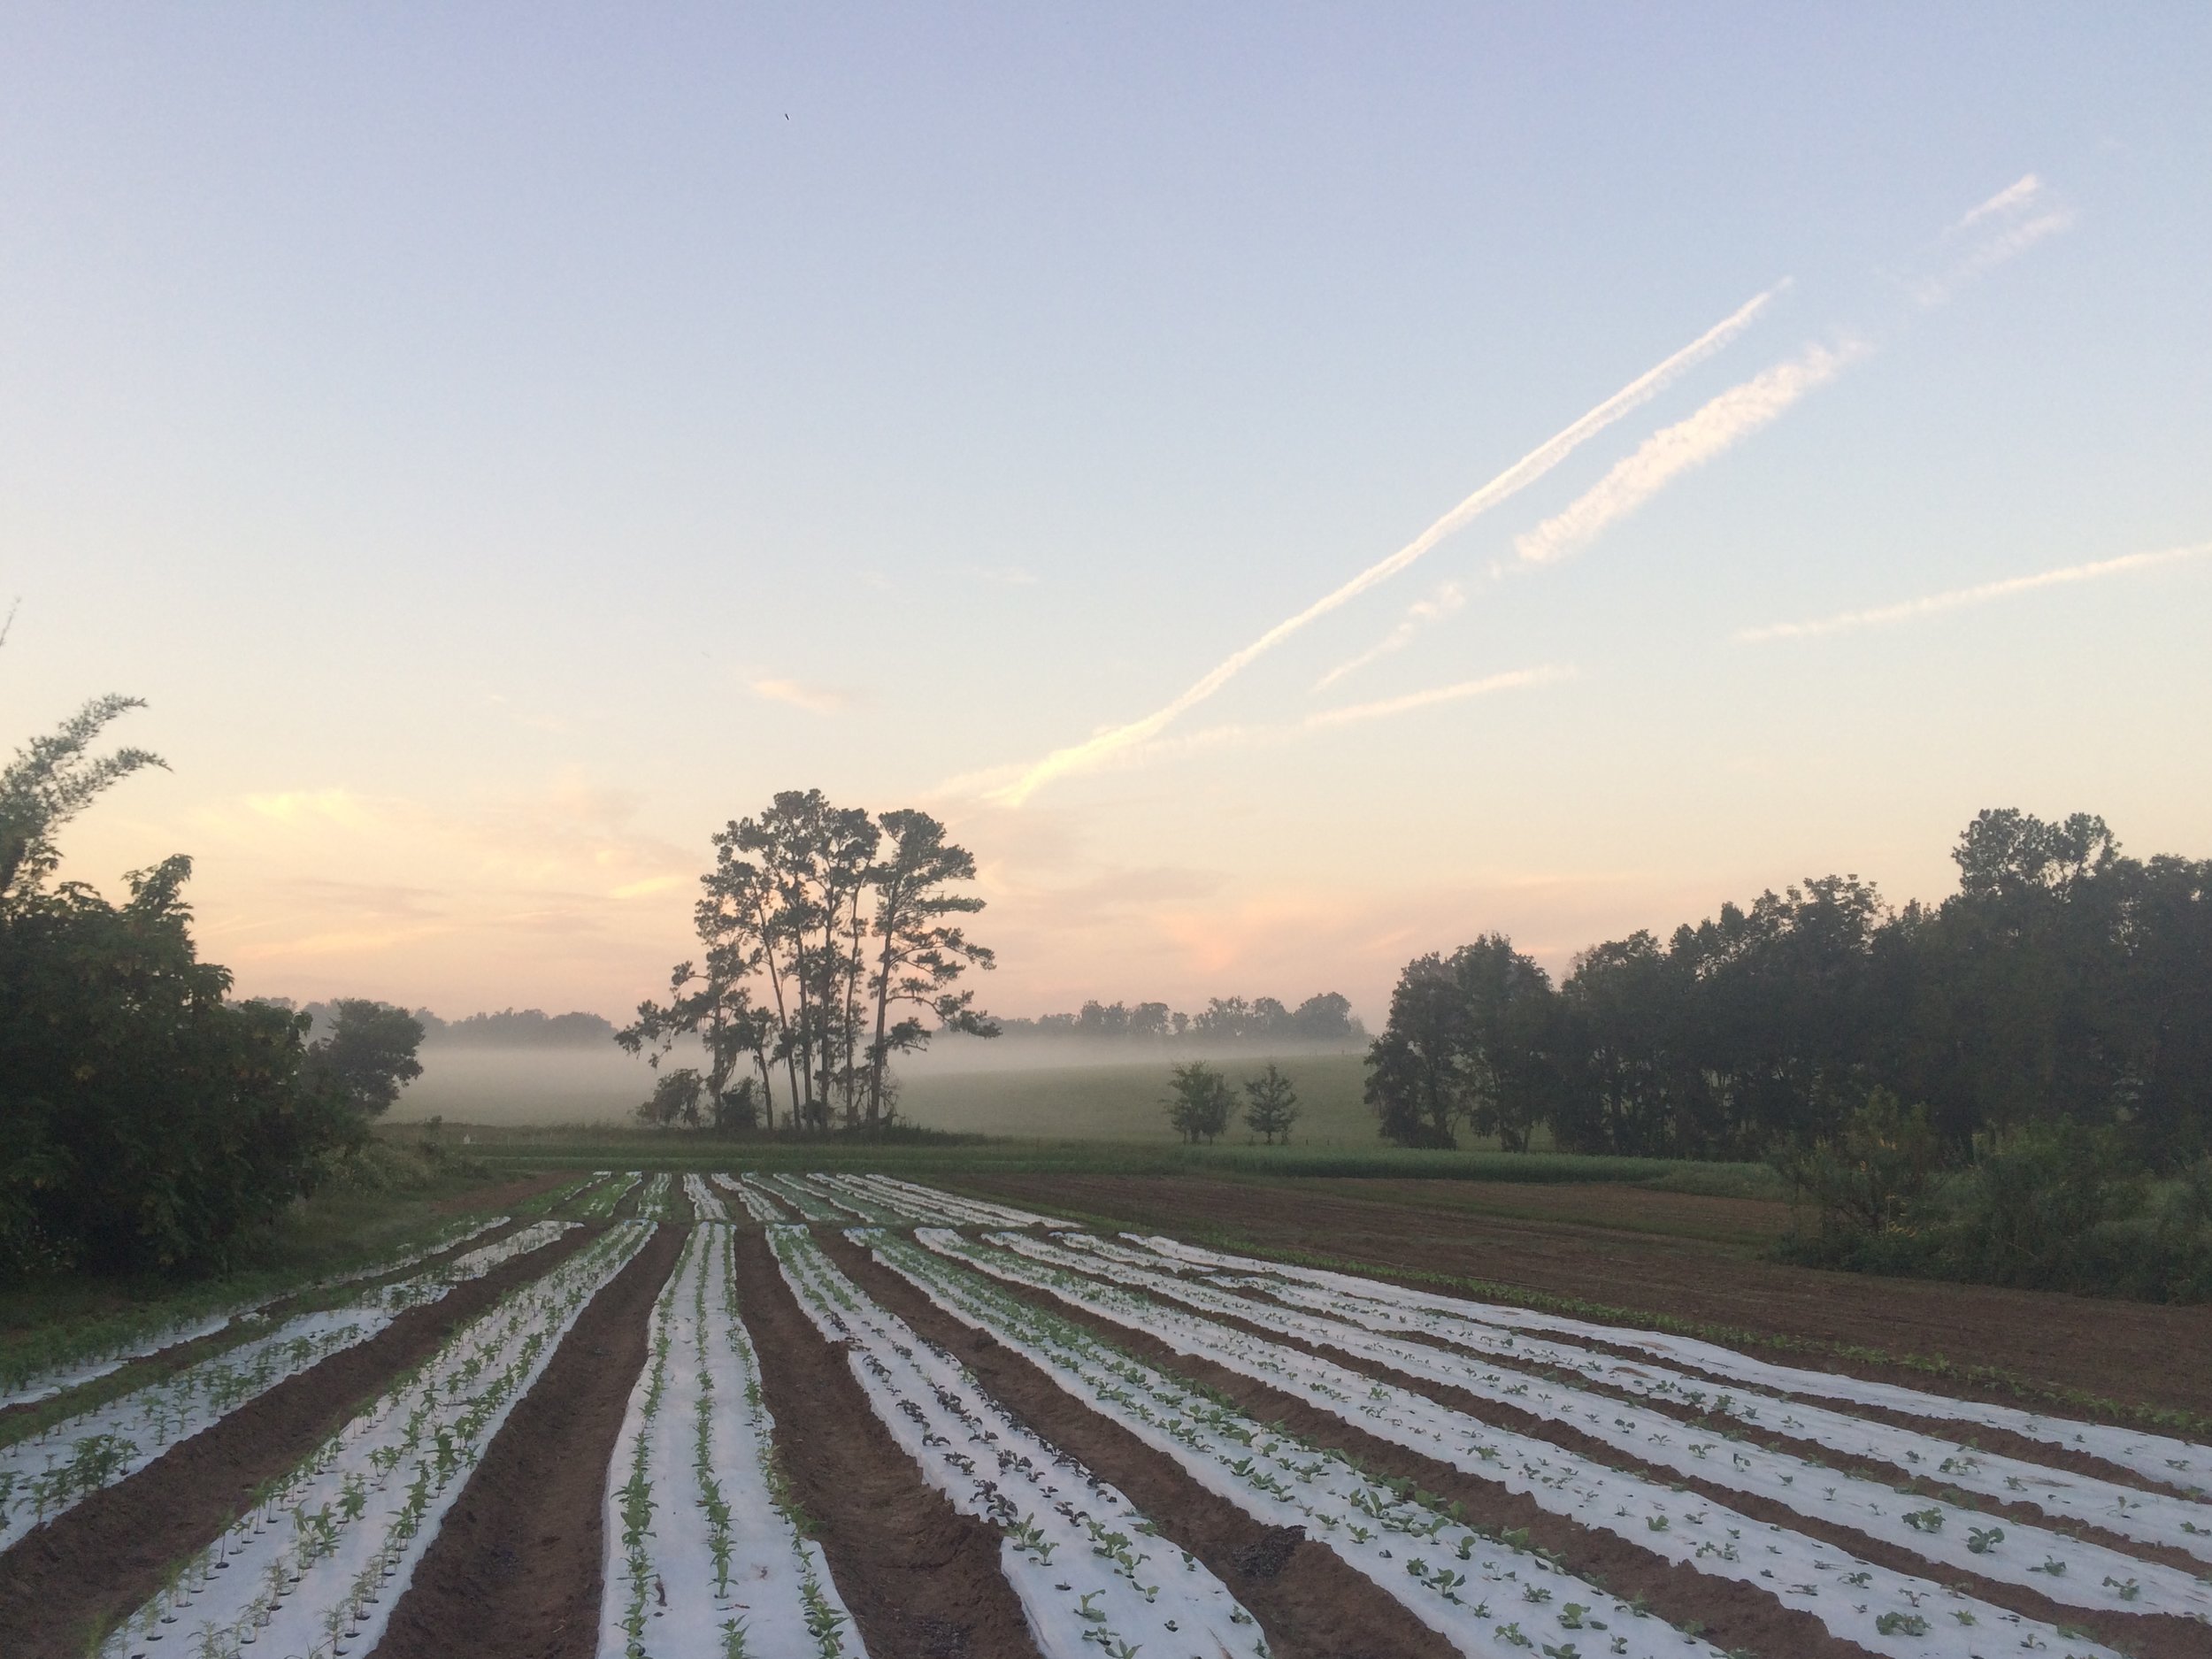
<point>469,429</point>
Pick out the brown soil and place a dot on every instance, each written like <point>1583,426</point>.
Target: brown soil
<point>516,1568</point>
<point>1310,1604</point>
<point>922,1579</point>
<point>70,1578</point>
<point>506,1193</point>
<point>1733,1615</point>
<point>2138,1353</point>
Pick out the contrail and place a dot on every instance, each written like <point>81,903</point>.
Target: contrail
<point>1734,415</point>
<point>1449,597</point>
<point>2012,196</point>
<point>1954,600</point>
<point>1522,473</point>
<point>1359,711</point>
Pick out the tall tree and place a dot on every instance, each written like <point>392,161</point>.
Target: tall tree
<point>369,1054</point>
<point>920,953</point>
<point>1271,1104</point>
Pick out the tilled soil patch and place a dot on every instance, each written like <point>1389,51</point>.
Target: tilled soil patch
<point>1310,1605</point>
<point>517,1567</point>
<point>102,1560</point>
<point>922,1579</point>
<point>2140,1353</point>
<point>1733,1616</point>
<point>506,1193</point>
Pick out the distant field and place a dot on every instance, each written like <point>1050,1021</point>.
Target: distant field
<point>1122,1103</point>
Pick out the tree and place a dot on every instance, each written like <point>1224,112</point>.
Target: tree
<point>674,1099</point>
<point>1271,1105</point>
<point>920,955</point>
<point>823,954</point>
<point>1198,1102</point>
<point>145,1120</point>
<point>369,1055</point>
<point>1417,1084</point>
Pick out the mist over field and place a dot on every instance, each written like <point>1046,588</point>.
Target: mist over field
<point>1041,1087</point>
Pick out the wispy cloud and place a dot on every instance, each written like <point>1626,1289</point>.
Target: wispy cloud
<point>2017,194</point>
<point>813,699</point>
<point>1911,609</point>
<point>1388,707</point>
<point>1673,450</point>
<point>1002,575</point>
<point>1447,598</point>
<point>1523,473</point>
<point>2007,225</point>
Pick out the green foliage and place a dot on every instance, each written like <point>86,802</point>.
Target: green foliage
<point>144,1122</point>
<point>1198,1102</point>
<point>369,1055</point>
<point>1271,1104</point>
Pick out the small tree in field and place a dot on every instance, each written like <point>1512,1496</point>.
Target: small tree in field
<point>1199,1101</point>
<point>1271,1105</point>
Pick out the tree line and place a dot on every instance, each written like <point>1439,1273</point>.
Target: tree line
<point>2062,981</point>
<point>508,1028</point>
<point>1324,1018</point>
<point>831,939</point>
<point>146,1119</point>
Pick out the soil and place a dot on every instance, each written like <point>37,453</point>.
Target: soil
<point>506,1193</point>
<point>517,1567</point>
<point>2139,1354</point>
<point>67,1581</point>
<point>921,1580</point>
<point>1310,1605</point>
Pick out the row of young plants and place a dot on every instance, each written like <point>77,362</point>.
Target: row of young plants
<point>2066,1494</point>
<point>48,1473</point>
<point>910,1203</point>
<point>706,1554</point>
<point>2071,1571</point>
<point>795,1192</point>
<point>316,1563</point>
<point>706,1203</point>
<point>758,1205</point>
<point>657,1199</point>
<point>1488,1593</point>
<point>600,1200</point>
<point>56,1372</point>
<point>1094,1576</point>
<point>2160,1459</point>
<point>1876,1608</point>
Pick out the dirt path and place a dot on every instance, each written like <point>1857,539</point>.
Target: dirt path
<point>68,1579</point>
<point>922,1579</point>
<point>516,1570</point>
<point>2138,1353</point>
<point>1309,1603</point>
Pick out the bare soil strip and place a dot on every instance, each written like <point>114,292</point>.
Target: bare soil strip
<point>67,1581</point>
<point>1310,1604</point>
<point>516,1569</point>
<point>506,1193</point>
<point>2139,1353</point>
<point>922,1579</point>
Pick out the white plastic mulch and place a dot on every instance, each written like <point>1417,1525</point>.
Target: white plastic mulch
<point>706,1204</point>
<point>1881,1611</point>
<point>758,1204</point>
<point>50,1472</point>
<point>317,1566</point>
<point>1090,1572</point>
<point>704,1558</point>
<point>1487,1598</point>
<point>2067,1570</point>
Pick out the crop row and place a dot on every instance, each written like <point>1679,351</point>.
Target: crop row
<point>48,1474</point>
<point>1089,1569</point>
<point>1880,1610</point>
<point>314,1566</point>
<point>705,1556</point>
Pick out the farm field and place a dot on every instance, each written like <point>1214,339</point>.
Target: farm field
<point>834,1413</point>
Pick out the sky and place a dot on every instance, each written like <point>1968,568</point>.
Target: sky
<point>1293,487</point>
